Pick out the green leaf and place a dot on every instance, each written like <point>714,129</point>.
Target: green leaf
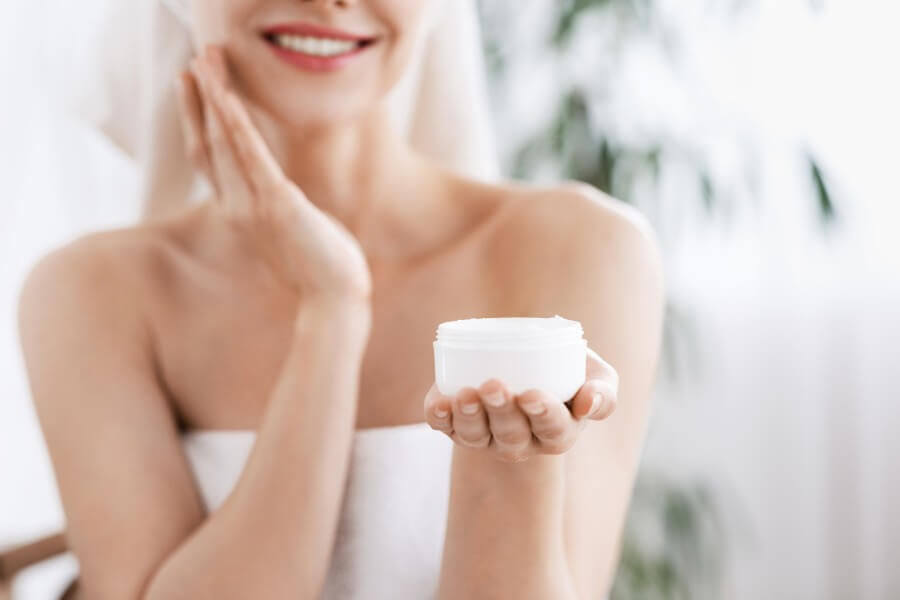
<point>827,213</point>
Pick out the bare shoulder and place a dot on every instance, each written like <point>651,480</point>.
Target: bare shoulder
<point>102,265</point>
<point>98,286</point>
<point>572,236</point>
<point>103,407</point>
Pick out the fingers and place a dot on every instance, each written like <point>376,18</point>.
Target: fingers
<point>438,411</point>
<point>192,124</point>
<point>228,171</point>
<point>554,428</point>
<point>516,426</point>
<point>215,56</point>
<point>263,184</point>
<point>597,368</point>
<point>597,398</point>
<point>262,169</point>
<point>470,425</point>
<point>509,427</point>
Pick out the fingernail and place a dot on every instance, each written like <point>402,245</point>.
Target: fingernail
<point>596,401</point>
<point>533,408</point>
<point>495,399</point>
<point>469,408</point>
<point>439,412</point>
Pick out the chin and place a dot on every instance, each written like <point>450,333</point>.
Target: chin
<point>301,108</point>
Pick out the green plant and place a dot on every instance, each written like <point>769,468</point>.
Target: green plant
<point>676,542</point>
<point>581,140</point>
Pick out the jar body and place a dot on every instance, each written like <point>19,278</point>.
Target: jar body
<point>524,353</point>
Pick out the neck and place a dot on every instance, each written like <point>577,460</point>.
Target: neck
<point>359,171</point>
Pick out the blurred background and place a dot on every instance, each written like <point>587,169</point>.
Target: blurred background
<point>759,137</point>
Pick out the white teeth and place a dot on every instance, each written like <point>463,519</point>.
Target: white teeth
<point>313,45</point>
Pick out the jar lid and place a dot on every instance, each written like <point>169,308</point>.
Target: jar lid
<point>511,330</point>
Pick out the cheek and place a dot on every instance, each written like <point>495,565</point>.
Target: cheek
<point>207,22</point>
<point>406,22</point>
<point>215,21</point>
<point>405,17</point>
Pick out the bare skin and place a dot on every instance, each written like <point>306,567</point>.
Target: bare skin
<point>206,321</point>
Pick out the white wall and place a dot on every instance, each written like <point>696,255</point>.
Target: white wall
<point>794,413</point>
<point>58,180</point>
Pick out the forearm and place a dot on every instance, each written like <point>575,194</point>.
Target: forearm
<point>505,529</point>
<point>273,536</point>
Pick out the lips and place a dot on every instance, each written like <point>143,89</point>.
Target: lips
<point>313,30</point>
<point>316,47</point>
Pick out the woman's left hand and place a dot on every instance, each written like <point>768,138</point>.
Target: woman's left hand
<point>516,427</point>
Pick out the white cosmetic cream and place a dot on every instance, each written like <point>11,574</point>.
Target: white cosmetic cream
<point>548,354</point>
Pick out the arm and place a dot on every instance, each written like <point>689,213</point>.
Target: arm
<point>550,527</point>
<point>135,518</point>
<point>276,530</point>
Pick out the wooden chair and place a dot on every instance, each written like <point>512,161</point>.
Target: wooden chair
<point>15,559</point>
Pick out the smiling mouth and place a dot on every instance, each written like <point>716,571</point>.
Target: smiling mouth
<point>317,46</point>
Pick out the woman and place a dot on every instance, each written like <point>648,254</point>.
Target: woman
<point>298,306</point>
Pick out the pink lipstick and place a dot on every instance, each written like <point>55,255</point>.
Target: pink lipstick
<point>315,47</point>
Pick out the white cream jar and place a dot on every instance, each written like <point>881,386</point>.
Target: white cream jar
<point>548,354</point>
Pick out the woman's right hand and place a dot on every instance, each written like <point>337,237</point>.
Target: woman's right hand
<point>308,250</point>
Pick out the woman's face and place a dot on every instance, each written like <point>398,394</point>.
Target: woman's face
<point>312,61</point>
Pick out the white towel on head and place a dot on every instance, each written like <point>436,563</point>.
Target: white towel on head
<point>180,8</point>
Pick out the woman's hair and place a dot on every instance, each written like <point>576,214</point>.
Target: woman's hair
<point>441,105</point>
